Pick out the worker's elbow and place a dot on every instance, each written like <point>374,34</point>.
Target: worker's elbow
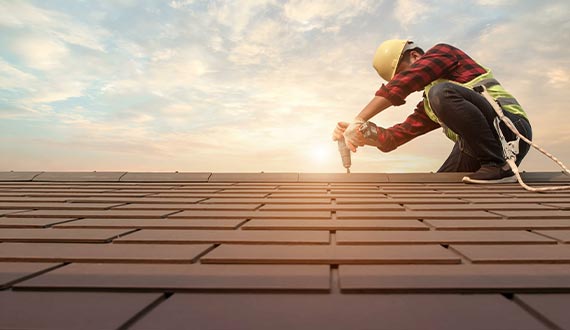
<point>385,148</point>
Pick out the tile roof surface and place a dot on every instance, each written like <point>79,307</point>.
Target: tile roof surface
<point>121,250</point>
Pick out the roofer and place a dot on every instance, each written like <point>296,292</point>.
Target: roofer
<point>447,76</point>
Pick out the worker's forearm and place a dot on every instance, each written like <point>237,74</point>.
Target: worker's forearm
<point>377,105</point>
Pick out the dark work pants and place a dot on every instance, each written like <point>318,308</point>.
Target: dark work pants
<point>468,114</point>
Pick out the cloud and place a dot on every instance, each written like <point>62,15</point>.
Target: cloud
<point>411,11</point>
<point>304,11</point>
<point>326,14</point>
<point>494,3</point>
<point>22,16</point>
<point>12,77</point>
<point>237,15</point>
<point>559,77</point>
<point>53,56</point>
<point>177,4</point>
<point>40,53</point>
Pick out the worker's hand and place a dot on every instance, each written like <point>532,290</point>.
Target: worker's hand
<point>352,135</point>
<point>339,130</point>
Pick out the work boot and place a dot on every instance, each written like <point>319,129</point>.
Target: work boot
<point>491,174</point>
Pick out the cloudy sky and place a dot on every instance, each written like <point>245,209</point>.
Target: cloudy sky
<point>252,85</point>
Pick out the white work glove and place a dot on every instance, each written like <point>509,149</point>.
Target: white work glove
<point>369,137</point>
<point>352,135</point>
<point>339,130</point>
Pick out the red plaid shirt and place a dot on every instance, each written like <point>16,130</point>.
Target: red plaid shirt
<point>441,61</point>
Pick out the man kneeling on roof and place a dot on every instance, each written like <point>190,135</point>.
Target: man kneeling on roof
<point>447,76</point>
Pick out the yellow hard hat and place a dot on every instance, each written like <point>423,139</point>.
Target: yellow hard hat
<point>388,56</point>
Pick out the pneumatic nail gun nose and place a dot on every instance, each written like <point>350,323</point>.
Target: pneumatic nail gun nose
<point>344,154</point>
<point>370,132</point>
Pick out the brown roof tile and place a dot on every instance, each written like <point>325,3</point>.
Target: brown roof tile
<point>553,307</point>
<point>252,214</point>
<point>560,235</point>
<point>440,237</point>
<point>305,224</point>
<point>11,272</point>
<point>70,252</point>
<point>91,214</point>
<point>239,254</point>
<point>545,214</point>
<point>499,224</point>
<point>31,222</point>
<point>147,277</point>
<point>515,253</point>
<point>455,278</point>
<point>150,223</point>
<point>468,214</point>
<point>56,236</point>
<point>150,236</point>
<point>70,310</point>
<point>338,311</point>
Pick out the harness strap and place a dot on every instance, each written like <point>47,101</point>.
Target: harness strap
<point>510,149</point>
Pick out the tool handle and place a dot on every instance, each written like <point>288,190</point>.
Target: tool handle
<point>344,153</point>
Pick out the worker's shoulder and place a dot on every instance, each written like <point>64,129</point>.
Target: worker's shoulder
<point>443,47</point>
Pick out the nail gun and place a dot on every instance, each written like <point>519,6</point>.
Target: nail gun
<point>370,132</point>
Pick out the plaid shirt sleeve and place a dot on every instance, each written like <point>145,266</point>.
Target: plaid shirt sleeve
<point>416,124</point>
<point>440,61</point>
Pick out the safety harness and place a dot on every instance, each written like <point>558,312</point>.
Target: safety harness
<point>511,148</point>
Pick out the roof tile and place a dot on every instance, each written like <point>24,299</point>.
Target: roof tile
<point>183,277</point>
<point>152,223</point>
<point>251,214</point>
<point>70,310</point>
<point>544,214</point>
<point>125,253</point>
<point>554,307</point>
<point>441,237</point>
<point>254,177</point>
<point>304,224</point>
<point>165,177</point>
<point>415,215</point>
<point>18,176</point>
<point>164,236</point>
<point>91,214</point>
<point>79,176</point>
<point>146,206</point>
<point>561,235</point>
<point>237,254</point>
<point>30,222</point>
<point>499,224</point>
<point>515,253</point>
<point>11,272</point>
<point>55,236</point>
<point>338,311</point>
<point>455,278</point>
<point>330,207</point>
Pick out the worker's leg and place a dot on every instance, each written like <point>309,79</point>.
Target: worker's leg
<point>468,114</point>
<point>460,160</point>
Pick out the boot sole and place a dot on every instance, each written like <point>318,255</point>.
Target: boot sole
<point>508,179</point>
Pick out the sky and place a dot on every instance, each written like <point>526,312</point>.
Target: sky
<point>252,85</point>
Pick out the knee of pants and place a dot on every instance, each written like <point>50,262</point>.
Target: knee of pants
<point>438,96</point>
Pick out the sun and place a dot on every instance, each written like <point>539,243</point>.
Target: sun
<point>321,153</point>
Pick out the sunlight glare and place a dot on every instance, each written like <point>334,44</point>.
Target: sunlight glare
<point>321,153</point>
